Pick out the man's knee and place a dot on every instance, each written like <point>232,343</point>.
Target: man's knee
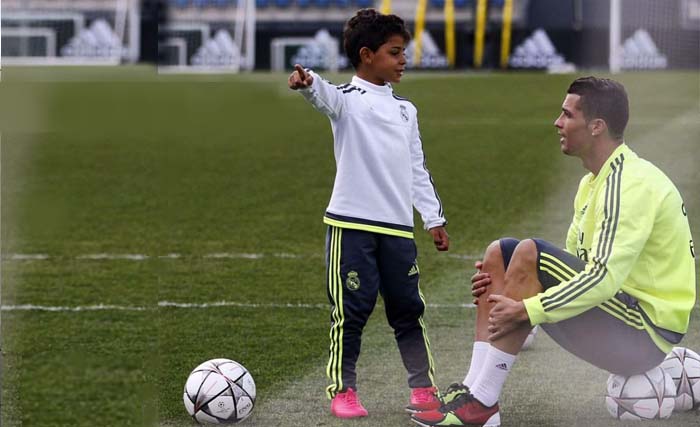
<point>493,256</point>
<point>521,276</point>
<point>525,256</point>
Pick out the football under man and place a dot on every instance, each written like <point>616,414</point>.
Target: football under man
<point>619,296</point>
<point>381,175</point>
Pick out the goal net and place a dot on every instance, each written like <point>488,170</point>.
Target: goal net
<point>654,34</point>
<point>79,32</point>
<point>207,40</point>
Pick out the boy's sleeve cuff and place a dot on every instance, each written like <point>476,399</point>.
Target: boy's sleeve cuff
<point>534,309</point>
<point>435,223</point>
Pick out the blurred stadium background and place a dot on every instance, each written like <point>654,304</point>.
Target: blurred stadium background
<point>230,35</point>
<point>156,216</point>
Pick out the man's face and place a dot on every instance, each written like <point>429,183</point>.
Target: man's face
<point>389,61</point>
<point>575,137</point>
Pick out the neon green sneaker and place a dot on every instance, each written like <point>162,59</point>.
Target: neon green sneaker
<point>452,392</point>
<point>464,411</point>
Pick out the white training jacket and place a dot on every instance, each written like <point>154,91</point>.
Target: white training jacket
<point>380,167</point>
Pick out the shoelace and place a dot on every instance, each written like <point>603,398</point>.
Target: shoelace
<point>423,396</point>
<point>351,398</point>
<point>462,399</point>
<point>456,387</point>
<point>453,388</point>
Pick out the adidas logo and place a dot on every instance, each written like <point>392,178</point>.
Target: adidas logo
<point>431,57</point>
<point>413,270</point>
<point>537,51</point>
<point>502,366</point>
<point>640,52</point>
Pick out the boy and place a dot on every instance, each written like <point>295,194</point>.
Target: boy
<point>381,175</point>
<point>619,296</point>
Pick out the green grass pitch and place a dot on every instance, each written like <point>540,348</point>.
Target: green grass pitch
<point>130,189</point>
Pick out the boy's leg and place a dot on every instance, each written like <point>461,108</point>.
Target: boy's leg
<point>404,306</point>
<point>352,286</point>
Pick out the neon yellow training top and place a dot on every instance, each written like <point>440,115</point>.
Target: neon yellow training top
<point>631,228</point>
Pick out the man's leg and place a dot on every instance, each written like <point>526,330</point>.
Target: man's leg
<point>513,270</point>
<point>522,270</point>
<point>495,265</point>
<point>520,281</point>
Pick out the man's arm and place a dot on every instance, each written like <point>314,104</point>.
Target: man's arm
<point>620,235</point>
<point>324,96</point>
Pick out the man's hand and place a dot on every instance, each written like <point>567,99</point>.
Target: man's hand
<point>300,79</point>
<point>505,316</point>
<point>440,238</point>
<point>480,281</point>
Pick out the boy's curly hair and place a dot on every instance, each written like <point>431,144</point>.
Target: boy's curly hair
<point>371,29</point>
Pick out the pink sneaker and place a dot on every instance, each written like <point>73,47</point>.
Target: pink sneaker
<point>347,405</point>
<point>424,399</point>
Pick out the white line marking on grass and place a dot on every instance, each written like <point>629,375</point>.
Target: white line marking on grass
<point>467,257</point>
<point>188,305</point>
<point>27,257</point>
<point>96,307</point>
<point>238,304</point>
<point>130,257</point>
<point>469,305</point>
<point>287,255</point>
<point>215,255</point>
<point>234,255</point>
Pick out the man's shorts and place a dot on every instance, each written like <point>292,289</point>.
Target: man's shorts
<point>595,336</point>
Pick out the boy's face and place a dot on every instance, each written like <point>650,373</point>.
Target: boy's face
<point>388,63</point>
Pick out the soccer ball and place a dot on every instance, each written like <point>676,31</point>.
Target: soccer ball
<point>219,391</point>
<point>683,365</point>
<point>646,396</point>
<point>530,338</point>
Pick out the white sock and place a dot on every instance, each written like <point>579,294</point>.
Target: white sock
<point>487,387</point>
<point>478,357</point>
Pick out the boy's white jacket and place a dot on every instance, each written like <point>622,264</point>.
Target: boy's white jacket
<point>381,172</point>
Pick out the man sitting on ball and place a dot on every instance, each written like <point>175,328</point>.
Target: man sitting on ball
<point>621,293</point>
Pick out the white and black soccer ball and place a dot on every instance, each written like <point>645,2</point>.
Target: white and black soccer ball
<point>219,391</point>
<point>646,396</point>
<point>683,364</point>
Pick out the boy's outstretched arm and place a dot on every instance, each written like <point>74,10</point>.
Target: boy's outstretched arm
<point>323,95</point>
<point>300,79</point>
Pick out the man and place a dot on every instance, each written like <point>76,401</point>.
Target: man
<point>619,296</point>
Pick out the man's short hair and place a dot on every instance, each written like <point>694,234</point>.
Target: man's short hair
<point>603,99</point>
<point>371,29</point>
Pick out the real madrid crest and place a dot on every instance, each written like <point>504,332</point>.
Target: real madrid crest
<point>404,113</point>
<point>353,281</point>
